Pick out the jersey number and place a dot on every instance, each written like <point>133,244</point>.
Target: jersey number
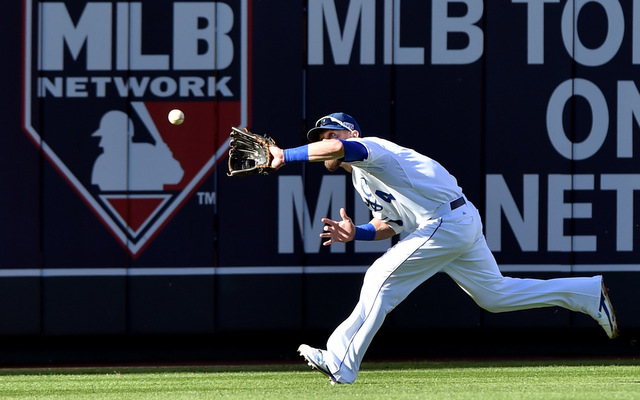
<point>385,196</point>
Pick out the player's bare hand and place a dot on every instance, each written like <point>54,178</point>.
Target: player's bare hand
<point>278,157</point>
<point>338,231</point>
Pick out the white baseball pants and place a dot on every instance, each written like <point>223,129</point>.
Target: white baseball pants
<point>453,244</point>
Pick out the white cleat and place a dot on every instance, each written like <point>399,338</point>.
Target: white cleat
<point>606,317</point>
<point>315,359</point>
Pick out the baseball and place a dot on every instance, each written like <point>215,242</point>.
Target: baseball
<point>176,117</point>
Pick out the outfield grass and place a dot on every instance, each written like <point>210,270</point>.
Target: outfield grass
<point>544,380</point>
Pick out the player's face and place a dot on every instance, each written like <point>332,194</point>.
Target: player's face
<point>337,134</point>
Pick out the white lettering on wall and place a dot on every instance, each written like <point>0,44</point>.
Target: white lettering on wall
<point>361,13</point>
<point>96,26</point>
<point>525,223</point>
<point>600,119</point>
<point>293,206</point>
<point>442,24</point>
<point>93,31</point>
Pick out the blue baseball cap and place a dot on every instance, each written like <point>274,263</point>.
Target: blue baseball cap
<point>335,121</point>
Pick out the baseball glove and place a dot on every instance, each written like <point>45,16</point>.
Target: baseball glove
<point>249,153</point>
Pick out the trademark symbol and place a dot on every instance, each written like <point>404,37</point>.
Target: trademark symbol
<point>206,198</point>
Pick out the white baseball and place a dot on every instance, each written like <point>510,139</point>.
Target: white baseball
<point>176,117</point>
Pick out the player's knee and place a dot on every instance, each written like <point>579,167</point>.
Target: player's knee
<point>489,304</point>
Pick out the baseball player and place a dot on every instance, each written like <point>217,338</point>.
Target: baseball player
<point>408,191</point>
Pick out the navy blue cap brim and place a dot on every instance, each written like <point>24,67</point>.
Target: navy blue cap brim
<point>313,133</point>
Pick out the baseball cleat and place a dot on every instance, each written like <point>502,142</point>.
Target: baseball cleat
<point>606,317</point>
<point>315,360</point>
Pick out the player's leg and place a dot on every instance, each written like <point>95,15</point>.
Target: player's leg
<point>478,274</point>
<point>386,284</point>
<point>392,278</point>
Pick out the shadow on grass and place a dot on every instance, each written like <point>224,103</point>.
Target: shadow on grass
<point>301,367</point>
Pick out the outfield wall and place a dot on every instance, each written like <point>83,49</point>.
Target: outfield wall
<point>114,222</point>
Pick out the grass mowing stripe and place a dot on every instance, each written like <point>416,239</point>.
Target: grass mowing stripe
<point>491,380</point>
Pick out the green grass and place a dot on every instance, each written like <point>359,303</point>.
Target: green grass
<point>490,380</point>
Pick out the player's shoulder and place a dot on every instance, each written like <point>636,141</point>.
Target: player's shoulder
<point>369,139</point>
<point>375,141</point>
<point>379,145</point>
<point>380,152</point>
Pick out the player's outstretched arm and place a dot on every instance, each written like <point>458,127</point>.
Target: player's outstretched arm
<point>324,150</point>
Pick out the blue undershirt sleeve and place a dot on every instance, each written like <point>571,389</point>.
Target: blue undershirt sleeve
<point>297,154</point>
<point>354,151</point>
<point>365,232</point>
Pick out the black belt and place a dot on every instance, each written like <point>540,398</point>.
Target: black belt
<point>446,208</point>
<point>457,203</point>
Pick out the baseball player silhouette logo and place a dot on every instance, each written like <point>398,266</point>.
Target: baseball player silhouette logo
<point>145,167</point>
<point>127,165</point>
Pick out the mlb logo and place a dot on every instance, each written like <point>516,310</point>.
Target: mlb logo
<point>99,81</point>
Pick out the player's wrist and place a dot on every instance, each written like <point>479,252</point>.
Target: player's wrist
<point>296,154</point>
<point>365,232</point>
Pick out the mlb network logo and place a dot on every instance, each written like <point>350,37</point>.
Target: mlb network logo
<point>99,81</point>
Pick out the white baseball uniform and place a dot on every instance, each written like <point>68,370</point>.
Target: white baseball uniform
<point>413,192</point>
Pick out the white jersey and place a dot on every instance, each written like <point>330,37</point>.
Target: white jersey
<point>401,186</point>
